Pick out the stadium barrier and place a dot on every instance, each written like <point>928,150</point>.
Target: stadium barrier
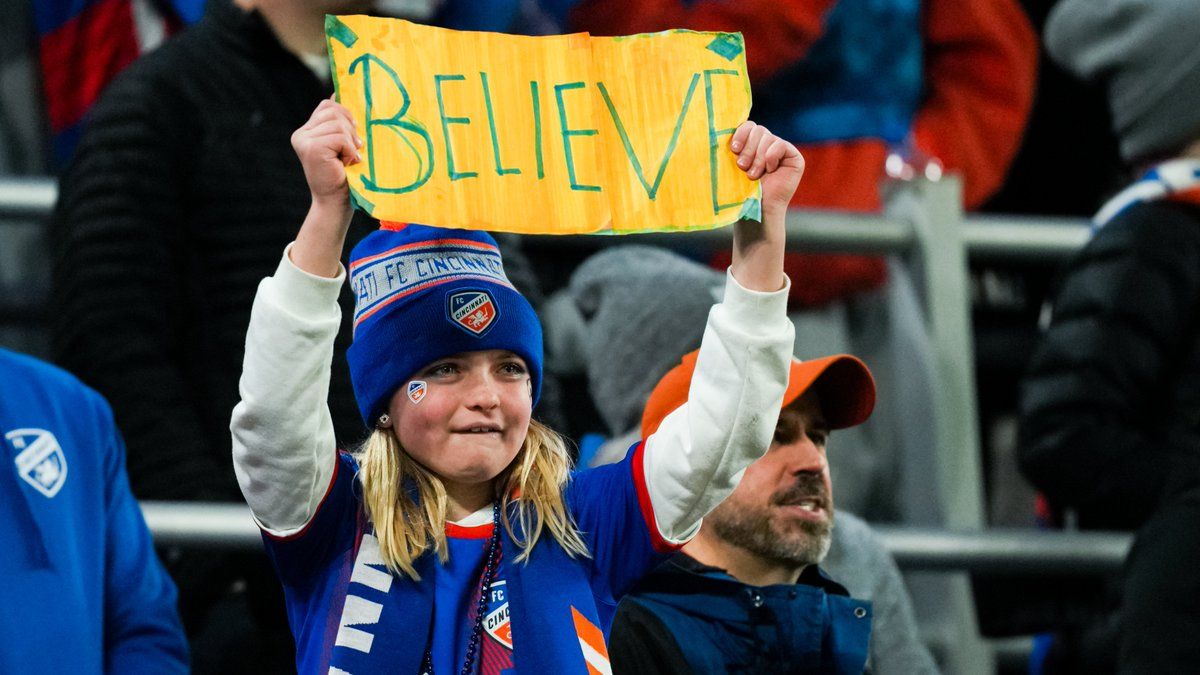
<point>997,551</point>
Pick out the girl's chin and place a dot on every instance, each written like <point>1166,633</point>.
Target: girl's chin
<point>471,475</point>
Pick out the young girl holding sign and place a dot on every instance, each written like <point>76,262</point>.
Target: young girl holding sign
<point>456,540</point>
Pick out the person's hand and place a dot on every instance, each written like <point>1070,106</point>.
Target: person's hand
<point>326,144</point>
<point>758,246</point>
<point>770,159</point>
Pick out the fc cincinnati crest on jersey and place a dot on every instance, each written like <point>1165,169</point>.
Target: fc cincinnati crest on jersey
<point>474,311</point>
<point>40,460</point>
<point>496,623</point>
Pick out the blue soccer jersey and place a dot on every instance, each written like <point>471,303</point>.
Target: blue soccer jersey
<point>454,613</point>
<point>351,615</point>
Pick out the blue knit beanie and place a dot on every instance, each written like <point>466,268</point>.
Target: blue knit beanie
<point>424,293</point>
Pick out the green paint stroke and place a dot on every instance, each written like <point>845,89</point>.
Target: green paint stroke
<point>537,127</point>
<point>446,122</point>
<point>337,89</point>
<point>651,190</point>
<point>487,99</point>
<point>672,228</point>
<point>396,123</point>
<point>727,45</point>
<point>339,31</point>
<point>714,137</point>
<point>568,132</point>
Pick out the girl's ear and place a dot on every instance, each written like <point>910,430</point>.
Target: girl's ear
<point>384,421</point>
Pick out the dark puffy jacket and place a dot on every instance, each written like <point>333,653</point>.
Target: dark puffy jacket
<point>1110,406</point>
<point>690,618</point>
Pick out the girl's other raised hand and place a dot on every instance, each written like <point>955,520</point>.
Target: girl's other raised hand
<point>758,246</point>
<point>768,158</point>
<point>326,144</point>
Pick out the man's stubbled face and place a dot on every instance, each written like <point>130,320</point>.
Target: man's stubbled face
<point>783,508</point>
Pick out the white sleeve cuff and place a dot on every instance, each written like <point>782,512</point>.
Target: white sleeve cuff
<point>302,293</point>
<point>743,304</point>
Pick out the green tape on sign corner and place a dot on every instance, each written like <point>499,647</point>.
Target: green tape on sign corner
<point>362,203</point>
<point>339,31</point>
<point>751,210</point>
<point>727,45</point>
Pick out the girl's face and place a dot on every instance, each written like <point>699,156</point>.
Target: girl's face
<point>468,421</point>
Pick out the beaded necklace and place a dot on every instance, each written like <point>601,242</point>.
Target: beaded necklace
<point>489,575</point>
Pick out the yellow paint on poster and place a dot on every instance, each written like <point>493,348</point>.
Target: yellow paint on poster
<point>562,134</point>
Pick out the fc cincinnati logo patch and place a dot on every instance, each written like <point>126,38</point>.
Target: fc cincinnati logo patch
<point>473,311</point>
<point>416,391</point>
<point>40,460</point>
<point>496,623</point>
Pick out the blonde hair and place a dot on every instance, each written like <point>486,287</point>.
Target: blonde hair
<point>407,503</point>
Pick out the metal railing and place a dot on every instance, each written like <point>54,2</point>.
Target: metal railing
<point>27,197</point>
<point>230,526</point>
<point>1007,551</point>
<point>985,236</point>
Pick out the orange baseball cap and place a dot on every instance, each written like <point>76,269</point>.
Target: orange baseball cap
<point>842,382</point>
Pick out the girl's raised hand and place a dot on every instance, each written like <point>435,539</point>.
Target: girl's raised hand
<point>758,246</point>
<point>770,159</point>
<point>326,144</point>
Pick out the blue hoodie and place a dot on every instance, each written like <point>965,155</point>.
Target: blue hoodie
<point>83,590</point>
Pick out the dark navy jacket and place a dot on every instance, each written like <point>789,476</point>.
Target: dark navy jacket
<point>690,618</point>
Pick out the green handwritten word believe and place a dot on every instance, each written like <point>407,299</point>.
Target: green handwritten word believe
<point>410,130</point>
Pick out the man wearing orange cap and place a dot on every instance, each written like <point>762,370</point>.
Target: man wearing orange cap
<point>746,595</point>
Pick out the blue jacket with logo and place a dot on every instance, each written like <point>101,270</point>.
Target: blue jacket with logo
<point>83,590</point>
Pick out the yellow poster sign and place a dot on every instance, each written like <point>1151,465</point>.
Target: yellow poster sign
<point>562,134</point>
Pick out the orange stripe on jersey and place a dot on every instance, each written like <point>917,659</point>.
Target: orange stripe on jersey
<point>1188,196</point>
<point>591,642</point>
